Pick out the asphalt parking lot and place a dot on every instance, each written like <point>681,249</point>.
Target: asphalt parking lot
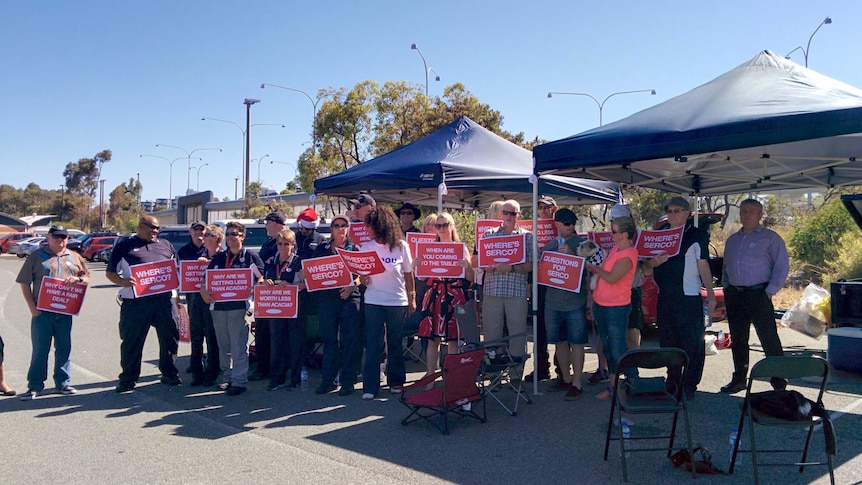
<point>161,434</point>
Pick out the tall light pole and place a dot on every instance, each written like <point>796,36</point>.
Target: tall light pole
<point>807,48</point>
<point>189,158</point>
<point>427,69</point>
<point>101,204</point>
<point>241,130</point>
<point>235,183</point>
<point>170,173</point>
<point>601,105</point>
<point>295,171</point>
<point>198,186</point>
<point>248,103</point>
<point>314,102</point>
<point>258,166</point>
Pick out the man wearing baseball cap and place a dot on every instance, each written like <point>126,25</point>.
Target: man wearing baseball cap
<point>361,206</point>
<point>679,312</point>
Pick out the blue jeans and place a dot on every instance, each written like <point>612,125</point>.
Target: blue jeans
<point>46,327</point>
<point>380,319</point>
<point>566,326</point>
<point>344,317</point>
<point>613,322</point>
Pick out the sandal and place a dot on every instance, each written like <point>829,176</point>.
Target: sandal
<point>605,395</point>
<point>10,392</point>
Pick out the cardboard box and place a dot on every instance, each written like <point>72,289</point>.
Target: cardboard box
<point>844,348</point>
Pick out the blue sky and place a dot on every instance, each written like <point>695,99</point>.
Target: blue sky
<point>78,77</point>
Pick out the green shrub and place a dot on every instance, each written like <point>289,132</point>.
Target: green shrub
<point>848,264</point>
<point>815,239</point>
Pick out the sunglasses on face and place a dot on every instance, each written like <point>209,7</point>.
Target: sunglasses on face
<point>405,213</point>
<point>237,234</point>
<point>151,226</point>
<point>510,213</point>
<point>359,206</point>
<point>284,244</point>
<point>338,226</point>
<point>209,234</point>
<point>567,224</point>
<point>59,236</point>
<point>442,226</point>
<point>675,211</point>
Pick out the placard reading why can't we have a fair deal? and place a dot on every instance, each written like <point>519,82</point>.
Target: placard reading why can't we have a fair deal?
<point>55,296</point>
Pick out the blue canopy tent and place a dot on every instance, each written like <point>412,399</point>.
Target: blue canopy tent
<point>461,165</point>
<point>769,124</point>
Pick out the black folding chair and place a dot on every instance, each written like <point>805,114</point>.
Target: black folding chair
<point>649,395</point>
<point>504,373</point>
<point>784,367</point>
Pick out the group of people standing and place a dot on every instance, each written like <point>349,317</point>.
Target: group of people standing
<point>371,312</point>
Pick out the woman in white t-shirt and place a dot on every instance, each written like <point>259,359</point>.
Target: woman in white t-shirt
<point>389,297</point>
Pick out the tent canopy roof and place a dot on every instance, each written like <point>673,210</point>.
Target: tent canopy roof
<point>476,165</point>
<point>768,124</point>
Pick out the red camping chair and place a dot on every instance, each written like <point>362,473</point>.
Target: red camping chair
<point>459,394</point>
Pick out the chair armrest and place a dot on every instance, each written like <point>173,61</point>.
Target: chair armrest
<point>421,382</point>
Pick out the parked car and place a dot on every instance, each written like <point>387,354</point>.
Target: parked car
<point>78,243</point>
<point>16,245</point>
<point>96,244</point>
<point>649,289</point>
<point>7,239</point>
<point>104,255</point>
<point>27,246</point>
<point>178,236</point>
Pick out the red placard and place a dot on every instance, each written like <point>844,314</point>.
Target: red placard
<point>231,284</point>
<point>603,239</point>
<point>276,301</point>
<point>326,273</point>
<point>155,278</point>
<point>651,243</point>
<point>364,263</point>
<point>55,296</point>
<point>561,271</point>
<point>502,249</point>
<point>545,232</point>
<point>525,224</point>
<point>413,238</point>
<point>359,233</point>
<point>192,275</point>
<point>440,260</point>
<point>484,225</point>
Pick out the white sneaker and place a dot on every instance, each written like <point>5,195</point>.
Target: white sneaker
<point>67,391</point>
<point>367,396</point>
<point>395,391</point>
<point>29,395</point>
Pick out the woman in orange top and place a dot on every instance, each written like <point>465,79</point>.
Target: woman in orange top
<point>612,296</point>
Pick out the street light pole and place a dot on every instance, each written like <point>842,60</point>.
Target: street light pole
<point>258,166</point>
<point>601,104</point>
<point>806,50</point>
<point>198,186</point>
<point>235,183</point>
<point>295,171</point>
<point>170,173</point>
<point>248,103</point>
<point>313,114</point>
<point>62,199</point>
<point>189,158</point>
<point>427,69</point>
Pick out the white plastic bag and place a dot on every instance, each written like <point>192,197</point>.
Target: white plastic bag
<point>807,315</point>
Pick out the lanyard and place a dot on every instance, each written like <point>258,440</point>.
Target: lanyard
<point>231,260</point>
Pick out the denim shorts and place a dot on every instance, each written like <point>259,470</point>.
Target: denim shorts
<point>566,326</point>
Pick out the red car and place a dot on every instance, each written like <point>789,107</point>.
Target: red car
<point>8,239</point>
<point>649,289</point>
<point>95,245</point>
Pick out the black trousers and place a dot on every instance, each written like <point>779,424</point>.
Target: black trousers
<point>745,307</point>
<point>201,330</point>
<point>136,317</point>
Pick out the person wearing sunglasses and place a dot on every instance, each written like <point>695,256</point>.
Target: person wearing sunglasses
<point>274,222</point>
<point>439,313</point>
<point>565,313</point>
<point>679,310</point>
<point>287,335</point>
<point>138,314</point>
<point>361,206</point>
<point>506,288</point>
<point>204,370</point>
<point>338,314</point>
<point>407,214</point>
<point>231,328</point>
<point>55,261</point>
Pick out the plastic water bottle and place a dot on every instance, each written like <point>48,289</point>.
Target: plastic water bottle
<point>561,241</point>
<point>734,435</point>
<point>303,379</point>
<point>627,434</point>
<point>707,317</point>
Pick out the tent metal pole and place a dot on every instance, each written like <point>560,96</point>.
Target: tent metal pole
<point>534,179</point>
